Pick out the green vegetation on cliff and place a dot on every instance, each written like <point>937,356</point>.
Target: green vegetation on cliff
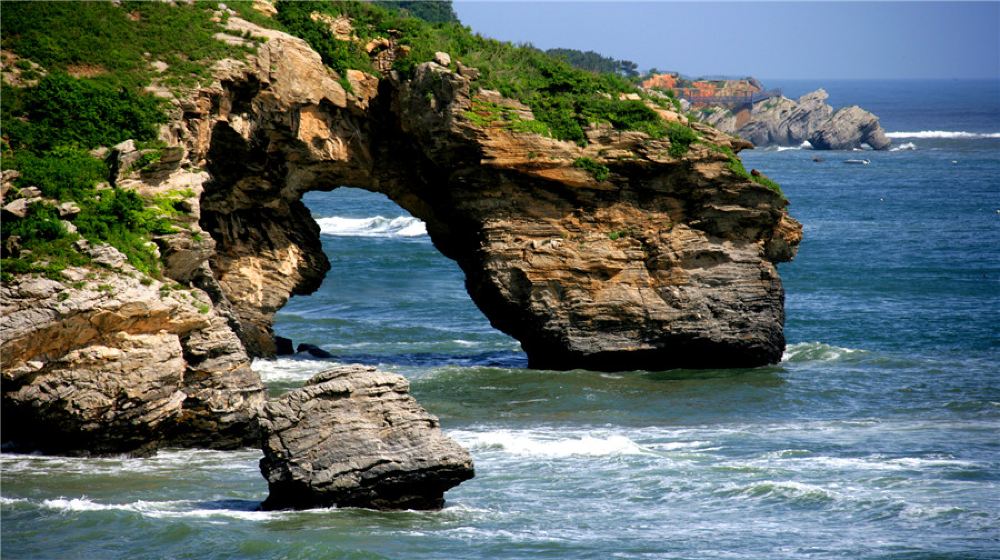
<point>563,98</point>
<point>95,60</point>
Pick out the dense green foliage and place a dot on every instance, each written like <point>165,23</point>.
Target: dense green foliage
<point>562,98</point>
<point>96,58</point>
<point>434,11</point>
<point>681,138</point>
<point>118,43</point>
<point>595,62</point>
<point>66,111</point>
<point>598,171</point>
<point>64,173</point>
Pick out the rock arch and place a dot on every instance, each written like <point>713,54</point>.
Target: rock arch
<point>669,262</point>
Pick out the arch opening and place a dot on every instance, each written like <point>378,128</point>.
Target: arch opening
<point>390,297</point>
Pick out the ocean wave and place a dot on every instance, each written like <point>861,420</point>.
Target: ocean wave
<point>816,352</point>
<point>164,509</point>
<point>285,370</point>
<point>547,445</point>
<point>943,134</point>
<point>376,226</point>
<point>164,461</point>
<point>787,490</point>
<point>904,147</point>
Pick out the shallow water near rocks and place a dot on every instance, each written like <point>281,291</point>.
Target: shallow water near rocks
<point>875,437</point>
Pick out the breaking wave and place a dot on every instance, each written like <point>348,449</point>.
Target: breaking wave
<point>816,352</point>
<point>377,226</point>
<point>904,147</point>
<point>547,445</point>
<point>943,134</point>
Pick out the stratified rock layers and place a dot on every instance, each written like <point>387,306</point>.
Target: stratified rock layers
<point>353,436</point>
<point>108,364</point>
<point>669,262</point>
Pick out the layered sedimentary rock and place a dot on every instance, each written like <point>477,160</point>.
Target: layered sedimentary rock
<point>667,262</point>
<point>786,122</point>
<point>105,363</point>
<point>353,436</point>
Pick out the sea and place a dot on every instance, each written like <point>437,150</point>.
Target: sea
<point>876,437</point>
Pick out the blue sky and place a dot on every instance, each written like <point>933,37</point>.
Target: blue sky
<point>797,40</point>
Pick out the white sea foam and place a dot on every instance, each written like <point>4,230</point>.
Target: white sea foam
<point>943,134</point>
<point>288,369</point>
<point>904,147</point>
<point>816,352</point>
<point>548,445</point>
<point>5,501</point>
<point>163,509</point>
<point>376,226</point>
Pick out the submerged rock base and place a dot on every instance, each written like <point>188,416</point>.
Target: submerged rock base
<point>354,437</point>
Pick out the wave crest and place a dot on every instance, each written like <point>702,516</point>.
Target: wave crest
<point>943,134</point>
<point>526,443</point>
<point>904,147</point>
<point>375,226</point>
<point>816,352</point>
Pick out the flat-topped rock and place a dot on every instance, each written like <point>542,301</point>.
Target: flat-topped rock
<point>354,437</point>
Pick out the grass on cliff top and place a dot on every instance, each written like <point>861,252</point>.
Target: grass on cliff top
<point>564,99</point>
<point>96,59</point>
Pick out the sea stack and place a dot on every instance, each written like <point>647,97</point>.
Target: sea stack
<point>354,437</point>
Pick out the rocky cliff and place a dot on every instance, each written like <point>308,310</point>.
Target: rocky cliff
<point>620,252</point>
<point>787,122</point>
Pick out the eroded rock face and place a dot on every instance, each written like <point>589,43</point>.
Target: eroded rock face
<point>669,262</point>
<point>103,363</point>
<point>785,122</point>
<point>354,437</point>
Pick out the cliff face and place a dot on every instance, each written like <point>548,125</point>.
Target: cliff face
<point>667,261</point>
<point>787,122</point>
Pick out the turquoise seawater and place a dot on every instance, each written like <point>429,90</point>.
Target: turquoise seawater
<point>877,436</point>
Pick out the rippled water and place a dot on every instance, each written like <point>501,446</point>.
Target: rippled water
<point>875,437</point>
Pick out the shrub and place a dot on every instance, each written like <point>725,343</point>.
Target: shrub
<point>598,171</point>
<point>681,138</point>
<point>63,173</point>
<point>64,111</point>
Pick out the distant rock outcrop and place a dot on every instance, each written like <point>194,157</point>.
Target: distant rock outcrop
<point>784,122</point>
<point>354,437</point>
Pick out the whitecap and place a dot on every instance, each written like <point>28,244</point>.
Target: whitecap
<point>547,445</point>
<point>288,369</point>
<point>376,226</point>
<point>943,134</point>
<point>904,147</point>
<point>816,352</point>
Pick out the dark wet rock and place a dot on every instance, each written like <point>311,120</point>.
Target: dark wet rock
<point>283,346</point>
<point>354,437</point>
<point>312,350</point>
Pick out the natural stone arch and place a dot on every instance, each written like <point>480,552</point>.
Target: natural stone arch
<point>667,263</point>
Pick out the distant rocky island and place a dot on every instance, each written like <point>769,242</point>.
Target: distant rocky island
<point>766,118</point>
